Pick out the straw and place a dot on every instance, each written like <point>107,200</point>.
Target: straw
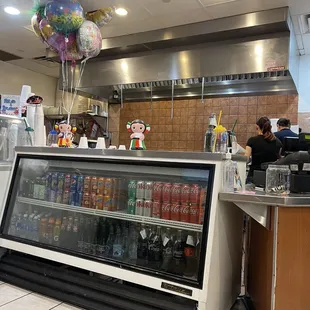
<point>218,124</point>
<point>233,129</point>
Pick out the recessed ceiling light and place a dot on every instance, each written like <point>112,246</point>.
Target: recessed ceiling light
<point>12,11</point>
<point>121,11</point>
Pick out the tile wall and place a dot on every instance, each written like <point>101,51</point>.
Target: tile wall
<point>185,131</point>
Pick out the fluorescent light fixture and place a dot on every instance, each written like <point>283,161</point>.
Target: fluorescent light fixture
<point>12,11</point>
<point>121,11</point>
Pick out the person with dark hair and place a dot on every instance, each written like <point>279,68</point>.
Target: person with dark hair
<point>263,148</point>
<point>283,126</point>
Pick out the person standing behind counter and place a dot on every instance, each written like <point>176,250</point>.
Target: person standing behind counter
<point>263,148</point>
<point>283,126</point>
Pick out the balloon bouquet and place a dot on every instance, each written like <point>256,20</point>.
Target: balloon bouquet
<point>63,27</point>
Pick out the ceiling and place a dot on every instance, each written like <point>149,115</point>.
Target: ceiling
<point>17,38</point>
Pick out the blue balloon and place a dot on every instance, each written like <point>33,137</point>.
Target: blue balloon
<point>65,16</point>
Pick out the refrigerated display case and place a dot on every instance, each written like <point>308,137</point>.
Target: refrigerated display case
<point>148,218</point>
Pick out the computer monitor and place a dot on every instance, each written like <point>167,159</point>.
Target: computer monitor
<point>290,145</point>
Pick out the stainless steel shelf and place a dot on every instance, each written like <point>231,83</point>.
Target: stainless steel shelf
<point>114,215</point>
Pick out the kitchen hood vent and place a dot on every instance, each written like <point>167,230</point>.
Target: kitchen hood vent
<point>213,79</point>
<point>253,53</point>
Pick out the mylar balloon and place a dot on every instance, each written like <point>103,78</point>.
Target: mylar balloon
<point>65,16</point>
<point>72,53</point>
<point>89,39</point>
<point>100,17</point>
<point>35,25</point>
<point>41,13</point>
<point>56,40</point>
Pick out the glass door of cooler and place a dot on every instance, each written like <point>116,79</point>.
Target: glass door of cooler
<point>151,217</point>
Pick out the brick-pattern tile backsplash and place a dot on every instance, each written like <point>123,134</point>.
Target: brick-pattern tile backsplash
<point>185,131</point>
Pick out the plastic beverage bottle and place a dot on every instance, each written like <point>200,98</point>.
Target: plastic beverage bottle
<point>133,245</point>
<point>50,230</point>
<point>228,174</point>
<point>167,251</point>
<point>43,230</point>
<point>110,241</point>
<point>13,223</point>
<point>56,232</point>
<point>118,248</point>
<point>80,244</point>
<point>142,246</point>
<point>178,259</point>
<point>191,260</point>
<point>63,233</point>
<point>155,249</point>
<point>101,243</point>
<point>36,228</point>
<point>75,234</point>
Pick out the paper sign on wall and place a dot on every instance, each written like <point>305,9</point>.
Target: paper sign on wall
<point>10,104</point>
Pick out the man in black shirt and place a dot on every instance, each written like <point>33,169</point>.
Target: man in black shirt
<point>284,130</point>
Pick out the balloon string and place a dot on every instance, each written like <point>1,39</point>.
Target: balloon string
<point>82,68</point>
<point>62,105</point>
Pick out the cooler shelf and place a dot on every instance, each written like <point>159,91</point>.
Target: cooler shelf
<point>114,215</point>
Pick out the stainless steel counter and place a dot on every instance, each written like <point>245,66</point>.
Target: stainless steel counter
<point>258,205</point>
<point>132,154</point>
<point>293,200</point>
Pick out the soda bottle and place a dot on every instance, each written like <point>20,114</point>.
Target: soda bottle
<point>80,243</point>
<point>69,229</point>
<point>50,230</point>
<point>125,240</point>
<point>132,245</point>
<point>75,234</point>
<point>110,241</point>
<point>63,232</point>
<point>43,230</point>
<point>56,232</point>
<point>87,236</point>
<point>142,246</point>
<point>18,225</point>
<point>36,228</point>
<point>24,226</point>
<point>155,248</point>
<point>118,246</point>
<point>167,251</point>
<point>178,260</point>
<point>12,230</point>
<point>190,257</point>
<point>94,237</point>
<point>101,240</point>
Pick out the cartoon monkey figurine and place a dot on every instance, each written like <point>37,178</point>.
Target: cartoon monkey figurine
<point>138,129</point>
<point>65,135</point>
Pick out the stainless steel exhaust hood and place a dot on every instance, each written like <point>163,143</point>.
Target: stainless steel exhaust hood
<point>252,53</point>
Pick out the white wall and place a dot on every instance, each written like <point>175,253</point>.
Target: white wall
<point>13,77</point>
<point>304,84</point>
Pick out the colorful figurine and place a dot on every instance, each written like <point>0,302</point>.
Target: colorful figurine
<point>138,129</point>
<point>65,135</point>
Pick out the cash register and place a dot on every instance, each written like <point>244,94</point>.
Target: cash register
<point>296,154</point>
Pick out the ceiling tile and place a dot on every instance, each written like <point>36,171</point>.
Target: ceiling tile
<point>242,7</point>
<point>215,2</point>
<point>299,6</point>
<point>157,7</point>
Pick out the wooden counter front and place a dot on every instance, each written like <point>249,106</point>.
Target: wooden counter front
<point>289,258</point>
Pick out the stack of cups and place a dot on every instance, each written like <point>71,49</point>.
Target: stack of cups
<point>83,143</point>
<point>24,95</point>
<point>101,143</point>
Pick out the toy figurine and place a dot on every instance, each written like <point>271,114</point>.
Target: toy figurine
<point>65,135</point>
<point>138,129</point>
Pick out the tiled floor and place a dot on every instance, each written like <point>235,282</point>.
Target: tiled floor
<point>15,298</point>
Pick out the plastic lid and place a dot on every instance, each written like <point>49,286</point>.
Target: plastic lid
<point>228,155</point>
<point>53,132</point>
